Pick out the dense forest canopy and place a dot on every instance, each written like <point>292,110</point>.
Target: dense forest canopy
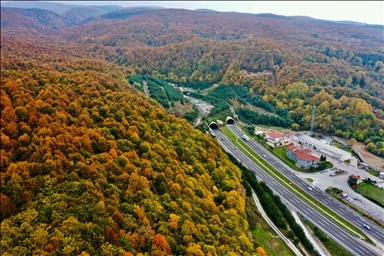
<point>91,166</point>
<point>88,164</point>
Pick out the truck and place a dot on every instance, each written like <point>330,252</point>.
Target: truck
<point>245,137</point>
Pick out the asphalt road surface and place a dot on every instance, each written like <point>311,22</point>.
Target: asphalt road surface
<point>352,244</point>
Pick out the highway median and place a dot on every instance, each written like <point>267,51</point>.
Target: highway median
<point>292,187</point>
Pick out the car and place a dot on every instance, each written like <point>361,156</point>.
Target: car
<point>264,155</point>
<point>332,174</point>
<point>366,226</point>
<point>309,188</point>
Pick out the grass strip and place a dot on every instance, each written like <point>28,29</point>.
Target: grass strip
<point>292,187</point>
<point>329,165</point>
<point>280,153</point>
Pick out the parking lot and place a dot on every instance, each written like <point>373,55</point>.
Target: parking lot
<point>324,180</point>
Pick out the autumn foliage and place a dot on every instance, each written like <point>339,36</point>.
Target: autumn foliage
<point>90,166</point>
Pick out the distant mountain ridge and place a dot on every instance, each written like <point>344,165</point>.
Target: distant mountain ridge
<point>56,7</point>
<point>16,21</point>
<point>69,15</point>
<point>45,17</point>
<point>121,14</point>
<point>78,14</point>
<point>199,49</point>
<point>72,13</point>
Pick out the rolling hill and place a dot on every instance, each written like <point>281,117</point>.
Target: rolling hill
<point>45,17</point>
<point>341,64</point>
<point>58,8</point>
<point>95,167</point>
<point>90,166</point>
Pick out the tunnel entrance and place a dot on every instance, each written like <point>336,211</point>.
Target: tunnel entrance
<point>214,126</point>
<point>230,120</point>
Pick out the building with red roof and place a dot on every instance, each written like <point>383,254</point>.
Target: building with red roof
<point>302,157</point>
<point>357,178</point>
<point>274,137</point>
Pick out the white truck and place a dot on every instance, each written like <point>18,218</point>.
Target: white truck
<point>245,137</point>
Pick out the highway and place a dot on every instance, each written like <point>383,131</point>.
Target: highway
<point>352,244</point>
<point>376,231</point>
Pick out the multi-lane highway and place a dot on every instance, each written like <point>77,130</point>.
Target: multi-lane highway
<point>376,231</point>
<point>349,242</point>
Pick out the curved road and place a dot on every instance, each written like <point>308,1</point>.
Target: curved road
<point>201,114</point>
<point>342,237</point>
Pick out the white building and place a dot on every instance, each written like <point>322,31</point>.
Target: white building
<point>356,178</point>
<point>322,147</point>
<point>258,132</point>
<point>274,136</point>
<point>302,158</point>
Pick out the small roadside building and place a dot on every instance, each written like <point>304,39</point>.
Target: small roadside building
<point>302,157</point>
<point>322,147</point>
<point>258,132</point>
<point>274,137</point>
<point>356,178</point>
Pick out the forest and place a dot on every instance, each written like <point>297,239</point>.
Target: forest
<point>282,63</point>
<point>91,166</point>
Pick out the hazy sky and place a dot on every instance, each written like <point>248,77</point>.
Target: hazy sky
<point>371,12</point>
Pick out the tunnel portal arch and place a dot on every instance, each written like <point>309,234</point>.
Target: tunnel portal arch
<point>229,120</point>
<point>214,126</point>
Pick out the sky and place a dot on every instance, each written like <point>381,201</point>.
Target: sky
<point>371,12</point>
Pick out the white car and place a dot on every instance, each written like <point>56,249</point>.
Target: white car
<point>309,188</point>
<point>366,226</point>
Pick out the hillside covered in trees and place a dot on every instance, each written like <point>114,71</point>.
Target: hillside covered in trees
<point>89,164</point>
<point>288,63</point>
